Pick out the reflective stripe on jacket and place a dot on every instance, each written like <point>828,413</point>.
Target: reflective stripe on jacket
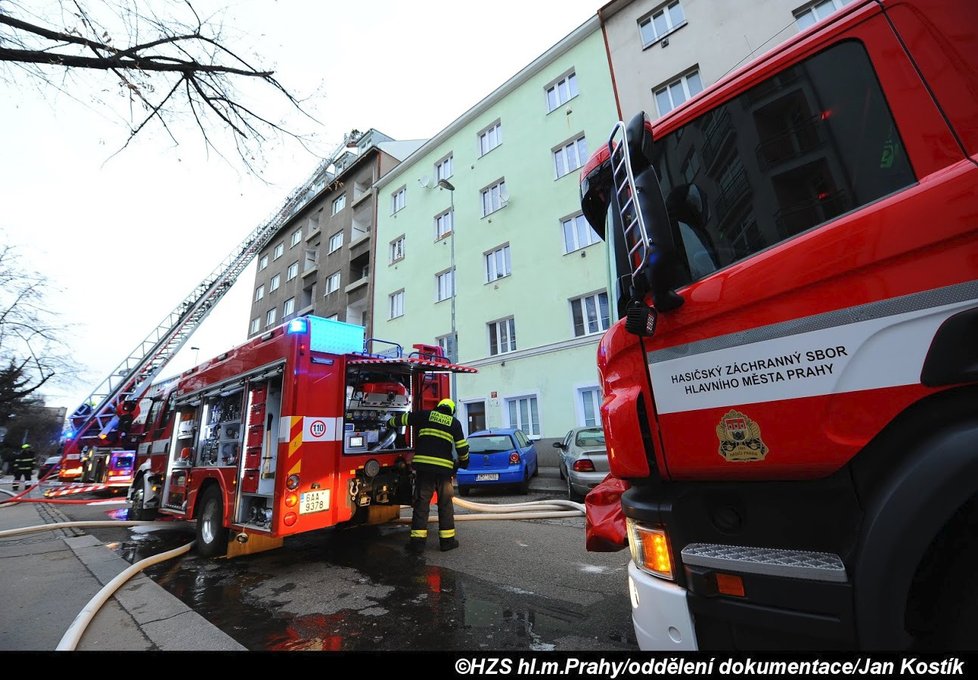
<point>437,434</point>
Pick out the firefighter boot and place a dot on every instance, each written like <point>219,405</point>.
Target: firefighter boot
<point>415,545</point>
<point>448,544</point>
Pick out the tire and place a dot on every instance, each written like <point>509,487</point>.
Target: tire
<point>571,494</point>
<point>212,537</point>
<point>524,488</point>
<point>536,470</point>
<point>464,490</point>
<point>957,606</point>
<point>563,475</point>
<point>138,510</point>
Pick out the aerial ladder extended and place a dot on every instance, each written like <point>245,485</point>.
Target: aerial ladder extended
<point>116,396</point>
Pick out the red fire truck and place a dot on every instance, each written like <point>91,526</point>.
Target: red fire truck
<point>793,392</point>
<point>287,434</point>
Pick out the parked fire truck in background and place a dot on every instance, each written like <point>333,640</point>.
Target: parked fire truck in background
<point>793,394</point>
<point>286,434</point>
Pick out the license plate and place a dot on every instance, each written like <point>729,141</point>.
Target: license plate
<point>494,477</point>
<point>313,501</point>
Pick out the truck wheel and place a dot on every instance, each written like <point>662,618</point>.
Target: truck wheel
<point>212,537</point>
<point>138,510</point>
<point>958,627</point>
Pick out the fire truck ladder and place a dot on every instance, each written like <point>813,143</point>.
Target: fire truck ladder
<point>633,223</point>
<point>132,378</point>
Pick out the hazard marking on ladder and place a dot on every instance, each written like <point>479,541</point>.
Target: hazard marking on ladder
<point>80,488</point>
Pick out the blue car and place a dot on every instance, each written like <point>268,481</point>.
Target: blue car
<point>498,457</point>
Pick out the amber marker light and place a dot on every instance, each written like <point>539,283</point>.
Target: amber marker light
<point>291,500</point>
<point>730,584</point>
<point>650,549</point>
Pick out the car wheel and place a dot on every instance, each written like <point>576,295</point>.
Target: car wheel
<point>212,537</point>
<point>464,490</point>
<point>524,488</point>
<point>536,469</point>
<point>138,510</point>
<point>563,475</point>
<point>571,494</point>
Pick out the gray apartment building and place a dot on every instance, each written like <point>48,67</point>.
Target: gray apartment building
<point>319,262</point>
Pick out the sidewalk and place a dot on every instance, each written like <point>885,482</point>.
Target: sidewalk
<point>49,577</point>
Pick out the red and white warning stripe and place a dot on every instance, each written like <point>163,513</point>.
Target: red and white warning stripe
<point>69,490</point>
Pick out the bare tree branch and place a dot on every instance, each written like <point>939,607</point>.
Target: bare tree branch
<point>141,49</point>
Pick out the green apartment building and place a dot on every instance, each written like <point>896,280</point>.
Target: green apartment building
<point>496,194</point>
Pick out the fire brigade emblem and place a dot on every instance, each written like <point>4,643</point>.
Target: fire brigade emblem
<point>740,438</point>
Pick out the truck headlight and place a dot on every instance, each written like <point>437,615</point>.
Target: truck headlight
<point>650,549</point>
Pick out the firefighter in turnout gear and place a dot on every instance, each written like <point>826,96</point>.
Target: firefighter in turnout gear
<point>436,434</point>
<point>24,466</point>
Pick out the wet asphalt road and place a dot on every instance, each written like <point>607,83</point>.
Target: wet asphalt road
<point>513,586</point>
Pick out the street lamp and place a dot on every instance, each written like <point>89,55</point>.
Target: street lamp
<point>453,355</point>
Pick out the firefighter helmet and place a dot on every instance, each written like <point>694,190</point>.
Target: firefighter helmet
<point>449,403</point>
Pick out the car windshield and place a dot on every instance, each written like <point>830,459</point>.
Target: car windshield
<point>593,437</point>
<point>490,444</point>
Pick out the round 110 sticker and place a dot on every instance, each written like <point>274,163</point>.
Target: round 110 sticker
<point>317,428</point>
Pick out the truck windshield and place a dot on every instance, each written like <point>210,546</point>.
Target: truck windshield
<point>812,143</point>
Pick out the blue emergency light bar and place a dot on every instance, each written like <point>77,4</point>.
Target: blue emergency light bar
<point>334,337</point>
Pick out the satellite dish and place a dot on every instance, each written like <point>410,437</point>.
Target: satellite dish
<point>424,181</point>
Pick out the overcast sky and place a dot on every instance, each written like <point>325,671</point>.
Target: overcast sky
<point>123,239</point>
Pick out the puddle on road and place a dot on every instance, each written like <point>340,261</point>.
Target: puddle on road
<point>340,592</point>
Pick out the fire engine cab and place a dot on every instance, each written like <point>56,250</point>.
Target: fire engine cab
<point>287,434</point>
<point>792,394</point>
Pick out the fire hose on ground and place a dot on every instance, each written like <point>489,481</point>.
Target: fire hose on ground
<point>548,509</point>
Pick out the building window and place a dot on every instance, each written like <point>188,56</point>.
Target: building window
<point>397,250</point>
<point>445,342</point>
<point>288,307</point>
<point>270,317</point>
<point>673,94</point>
<point>502,336</point>
<point>274,283</point>
<point>497,263</point>
<point>293,271</point>
<point>445,284</point>
<point>335,242</point>
<point>590,406</point>
<point>578,233</point>
<point>339,204</point>
<point>263,262</point>
<point>590,314</point>
<point>396,304</point>
<point>314,221</point>
<point>398,199</point>
<point>259,292</point>
<point>332,283</point>
<point>494,197</point>
<point>524,415</point>
<point>255,325</point>
<point>296,237</point>
<point>661,23</point>
<point>444,224</point>
<point>279,250</point>
<point>443,168</point>
<point>808,14</point>
<point>562,91</point>
<point>490,138</point>
<point>569,157</point>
